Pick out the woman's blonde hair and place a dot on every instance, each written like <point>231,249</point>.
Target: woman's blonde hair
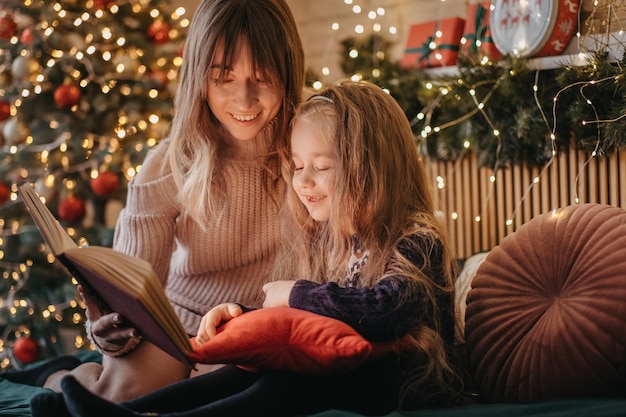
<point>383,196</point>
<point>276,52</point>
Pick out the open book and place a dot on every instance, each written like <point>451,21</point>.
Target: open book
<point>119,282</point>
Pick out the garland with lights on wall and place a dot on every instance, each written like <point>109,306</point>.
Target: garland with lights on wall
<point>504,112</point>
<point>510,113</point>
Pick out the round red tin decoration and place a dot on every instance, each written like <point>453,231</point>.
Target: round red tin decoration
<point>532,28</point>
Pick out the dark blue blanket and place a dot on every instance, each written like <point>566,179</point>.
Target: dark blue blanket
<point>562,408</point>
<point>14,402</point>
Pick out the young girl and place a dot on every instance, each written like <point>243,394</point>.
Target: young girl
<point>367,249</point>
<point>203,209</point>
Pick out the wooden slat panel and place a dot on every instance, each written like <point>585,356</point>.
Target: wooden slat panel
<point>444,203</point>
<point>582,177</point>
<point>536,191</point>
<point>451,206</point>
<point>544,187</point>
<point>459,209</point>
<point>485,215</point>
<point>476,193</point>
<point>553,184</point>
<point>563,161</point>
<point>467,205</point>
<point>614,179</point>
<point>592,180</point>
<point>603,180</point>
<point>528,199</point>
<point>498,204</point>
<point>519,188</point>
<point>492,217</point>
<point>572,178</point>
<point>622,178</point>
<point>469,193</point>
<point>509,190</point>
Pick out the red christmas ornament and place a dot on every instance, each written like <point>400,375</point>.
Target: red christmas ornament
<point>102,4</point>
<point>159,32</point>
<point>5,110</point>
<point>105,183</point>
<point>159,77</point>
<point>4,193</point>
<point>71,209</point>
<point>66,96</point>
<point>8,28</point>
<point>27,36</point>
<point>26,349</point>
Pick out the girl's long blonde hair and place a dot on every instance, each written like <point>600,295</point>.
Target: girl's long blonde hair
<point>383,196</point>
<point>274,44</point>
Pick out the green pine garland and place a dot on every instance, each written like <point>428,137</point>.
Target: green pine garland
<point>589,106</point>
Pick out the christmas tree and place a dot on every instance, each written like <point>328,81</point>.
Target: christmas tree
<point>85,91</point>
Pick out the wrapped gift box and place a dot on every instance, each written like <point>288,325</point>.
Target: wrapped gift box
<point>477,40</point>
<point>433,44</point>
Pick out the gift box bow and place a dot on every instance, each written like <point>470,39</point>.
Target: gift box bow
<point>480,29</point>
<point>430,46</point>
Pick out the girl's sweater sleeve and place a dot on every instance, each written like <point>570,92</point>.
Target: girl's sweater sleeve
<point>383,312</point>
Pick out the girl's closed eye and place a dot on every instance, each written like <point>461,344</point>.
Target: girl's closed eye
<point>323,168</point>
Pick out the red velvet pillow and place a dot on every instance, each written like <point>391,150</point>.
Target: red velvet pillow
<point>546,315</point>
<point>282,338</point>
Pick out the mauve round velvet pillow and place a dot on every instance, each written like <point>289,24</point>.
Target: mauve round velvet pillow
<point>546,315</point>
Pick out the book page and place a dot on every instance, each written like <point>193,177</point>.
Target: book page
<point>49,227</point>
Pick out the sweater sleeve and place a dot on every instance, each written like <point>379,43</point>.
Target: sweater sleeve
<point>145,227</point>
<point>383,312</point>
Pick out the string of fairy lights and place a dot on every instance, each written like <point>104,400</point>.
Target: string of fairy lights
<point>374,20</point>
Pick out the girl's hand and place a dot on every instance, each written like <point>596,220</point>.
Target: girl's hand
<point>277,293</point>
<point>217,316</point>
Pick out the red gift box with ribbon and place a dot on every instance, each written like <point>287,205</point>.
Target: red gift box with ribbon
<point>433,44</point>
<point>477,40</point>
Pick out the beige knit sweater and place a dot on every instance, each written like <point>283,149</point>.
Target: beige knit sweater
<point>227,263</point>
